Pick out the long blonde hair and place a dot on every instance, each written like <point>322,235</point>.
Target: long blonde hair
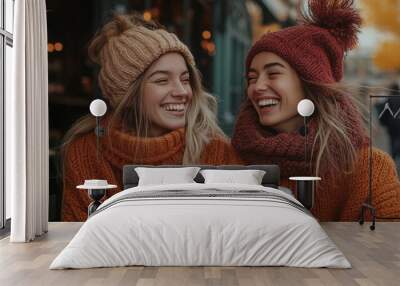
<point>333,131</point>
<point>129,113</point>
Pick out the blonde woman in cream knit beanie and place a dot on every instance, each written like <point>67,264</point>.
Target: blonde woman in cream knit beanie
<point>126,48</point>
<point>158,112</point>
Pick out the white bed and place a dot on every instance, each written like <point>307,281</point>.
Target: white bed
<point>201,224</point>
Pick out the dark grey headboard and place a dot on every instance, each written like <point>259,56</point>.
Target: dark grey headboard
<point>271,178</point>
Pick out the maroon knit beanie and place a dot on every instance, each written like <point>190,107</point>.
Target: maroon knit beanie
<point>315,47</point>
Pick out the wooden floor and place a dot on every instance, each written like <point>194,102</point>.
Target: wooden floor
<point>374,255</point>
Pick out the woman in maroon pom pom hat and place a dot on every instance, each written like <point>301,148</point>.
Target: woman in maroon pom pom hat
<point>306,61</point>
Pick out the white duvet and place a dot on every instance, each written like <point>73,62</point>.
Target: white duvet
<point>183,231</point>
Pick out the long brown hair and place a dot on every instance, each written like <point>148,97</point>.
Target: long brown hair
<point>333,149</point>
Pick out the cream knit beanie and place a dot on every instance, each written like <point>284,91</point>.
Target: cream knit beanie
<point>126,47</point>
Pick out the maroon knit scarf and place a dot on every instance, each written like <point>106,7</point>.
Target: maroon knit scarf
<point>258,144</point>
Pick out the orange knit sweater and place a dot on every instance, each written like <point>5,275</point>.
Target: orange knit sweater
<point>80,162</point>
<point>340,198</point>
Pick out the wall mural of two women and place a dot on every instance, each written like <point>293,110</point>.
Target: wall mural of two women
<point>159,113</point>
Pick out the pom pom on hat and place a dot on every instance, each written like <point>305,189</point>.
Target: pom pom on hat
<point>338,17</point>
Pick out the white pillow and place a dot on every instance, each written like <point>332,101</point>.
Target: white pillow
<point>163,176</point>
<point>248,177</point>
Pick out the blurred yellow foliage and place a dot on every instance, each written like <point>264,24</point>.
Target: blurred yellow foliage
<point>384,15</point>
<point>387,56</point>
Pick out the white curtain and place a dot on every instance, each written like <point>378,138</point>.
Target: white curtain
<point>27,147</point>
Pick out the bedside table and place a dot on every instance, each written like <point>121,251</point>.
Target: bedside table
<point>305,187</point>
<point>96,189</point>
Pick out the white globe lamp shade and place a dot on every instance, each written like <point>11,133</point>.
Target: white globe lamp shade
<point>305,107</point>
<point>98,107</point>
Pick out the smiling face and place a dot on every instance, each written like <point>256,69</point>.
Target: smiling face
<point>275,90</point>
<point>167,94</point>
